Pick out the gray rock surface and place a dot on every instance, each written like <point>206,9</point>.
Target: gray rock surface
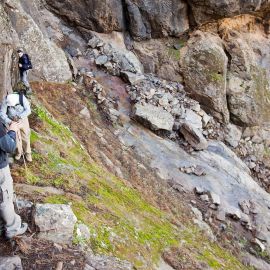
<point>226,174</point>
<point>83,231</point>
<point>101,60</point>
<point>85,113</point>
<point>232,135</point>
<point>215,198</point>
<point>55,222</point>
<point>132,78</point>
<point>10,263</point>
<point>102,262</point>
<point>155,117</point>
<point>192,118</point>
<point>198,220</point>
<point>257,263</point>
<point>233,212</point>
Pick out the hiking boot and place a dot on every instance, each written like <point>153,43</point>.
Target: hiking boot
<point>28,157</point>
<point>18,157</point>
<point>20,231</point>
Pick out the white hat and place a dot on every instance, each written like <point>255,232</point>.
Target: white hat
<point>12,100</point>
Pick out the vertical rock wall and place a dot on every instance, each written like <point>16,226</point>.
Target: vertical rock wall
<point>18,29</point>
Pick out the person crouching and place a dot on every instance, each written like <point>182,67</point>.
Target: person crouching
<point>16,108</point>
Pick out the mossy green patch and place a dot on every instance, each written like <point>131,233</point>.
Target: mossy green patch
<point>34,137</point>
<point>174,54</point>
<point>210,252</point>
<point>57,199</point>
<point>216,77</point>
<point>121,222</point>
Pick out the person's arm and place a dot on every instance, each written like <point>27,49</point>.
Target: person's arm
<point>8,142</point>
<point>3,114</point>
<point>27,108</point>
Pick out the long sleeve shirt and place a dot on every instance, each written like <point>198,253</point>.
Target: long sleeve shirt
<point>7,145</point>
<point>24,62</point>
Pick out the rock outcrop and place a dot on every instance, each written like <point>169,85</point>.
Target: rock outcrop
<point>205,11</point>
<point>204,65</point>
<point>194,136</point>
<point>155,117</point>
<point>100,16</point>
<point>248,89</point>
<point>20,29</point>
<point>55,222</point>
<point>11,263</point>
<point>155,19</point>
<point>143,19</point>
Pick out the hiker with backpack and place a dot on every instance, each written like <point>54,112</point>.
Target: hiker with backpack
<point>10,223</point>
<point>24,66</point>
<point>16,108</point>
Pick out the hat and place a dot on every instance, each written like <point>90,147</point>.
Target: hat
<point>12,100</point>
<point>19,50</point>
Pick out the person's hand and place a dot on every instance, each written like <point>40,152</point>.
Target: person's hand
<point>15,119</point>
<point>20,65</point>
<point>14,126</point>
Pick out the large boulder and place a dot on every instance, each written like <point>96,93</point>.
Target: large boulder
<point>159,59</point>
<point>55,222</point>
<point>210,10</point>
<point>154,117</point>
<point>194,136</point>
<point>248,88</point>
<point>10,263</point>
<point>204,66</point>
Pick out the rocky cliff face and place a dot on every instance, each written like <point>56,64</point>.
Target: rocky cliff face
<point>23,25</point>
<point>205,11</point>
<point>196,73</point>
<point>240,76</point>
<point>143,19</point>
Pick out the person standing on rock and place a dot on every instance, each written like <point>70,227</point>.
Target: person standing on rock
<point>10,222</point>
<point>24,66</point>
<point>16,108</point>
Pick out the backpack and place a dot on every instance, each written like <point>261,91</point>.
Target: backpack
<point>29,65</point>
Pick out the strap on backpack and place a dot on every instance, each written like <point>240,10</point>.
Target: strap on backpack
<point>21,98</point>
